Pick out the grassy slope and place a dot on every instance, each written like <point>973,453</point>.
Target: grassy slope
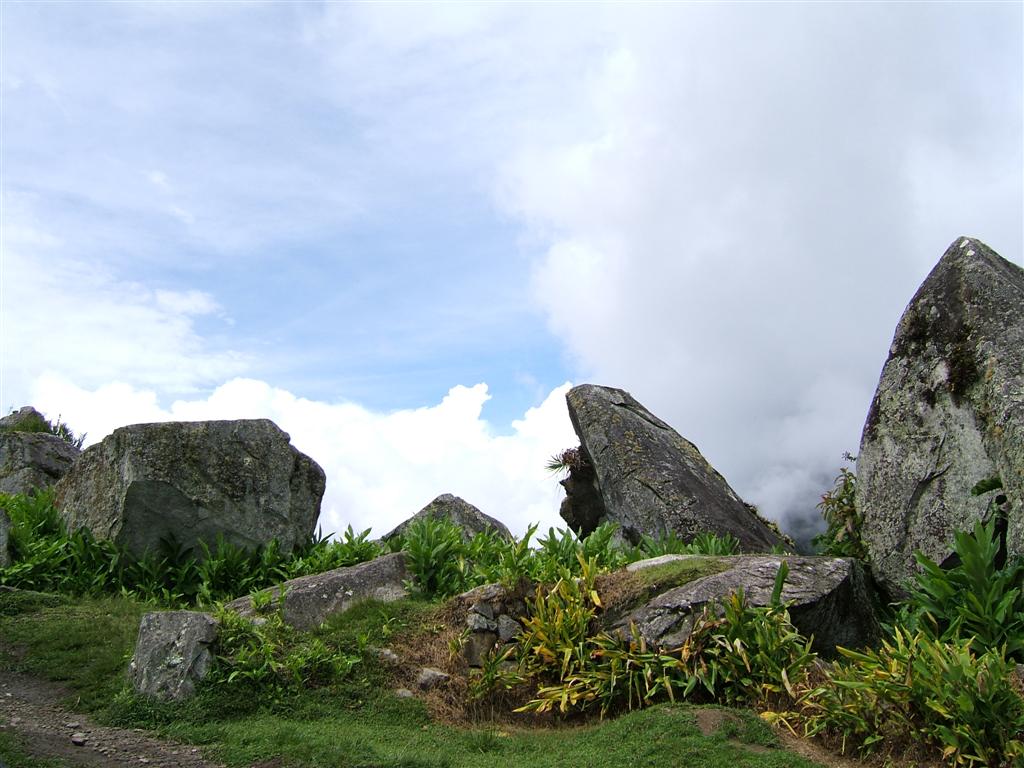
<point>86,643</point>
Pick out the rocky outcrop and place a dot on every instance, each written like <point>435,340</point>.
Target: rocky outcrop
<point>493,615</point>
<point>172,653</point>
<point>310,600</point>
<point>31,460</point>
<point>948,412</point>
<point>829,598</point>
<point>5,536</point>
<point>470,519</point>
<point>194,481</point>
<point>641,474</point>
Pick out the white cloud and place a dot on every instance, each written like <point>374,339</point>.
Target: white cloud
<point>381,467</point>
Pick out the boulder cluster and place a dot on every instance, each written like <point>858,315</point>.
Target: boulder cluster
<point>947,417</point>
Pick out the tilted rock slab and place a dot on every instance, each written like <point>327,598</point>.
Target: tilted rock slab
<point>31,460</point>
<point>468,517</point>
<point>172,653</point>
<point>648,478</point>
<point>194,481</point>
<point>310,600</point>
<point>831,598</point>
<point>948,413</point>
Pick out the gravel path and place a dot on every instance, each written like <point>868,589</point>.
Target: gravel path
<point>30,708</point>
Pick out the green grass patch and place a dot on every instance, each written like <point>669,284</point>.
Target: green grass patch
<point>85,644</point>
<point>622,591</point>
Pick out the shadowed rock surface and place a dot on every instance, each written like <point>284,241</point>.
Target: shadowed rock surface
<point>831,599</point>
<point>194,481</point>
<point>948,413</point>
<point>172,653</point>
<point>647,478</point>
<point>5,536</point>
<point>310,600</point>
<point>469,518</point>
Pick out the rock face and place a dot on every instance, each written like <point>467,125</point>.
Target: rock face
<point>947,414</point>
<point>311,600</point>
<point>492,619</point>
<point>30,460</point>
<point>470,519</point>
<point>194,481</point>
<point>831,599</point>
<point>647,478</point>
<point>172,653</point>
<point>5,535</point>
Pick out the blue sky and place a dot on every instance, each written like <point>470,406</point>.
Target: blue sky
<point>400,229</point>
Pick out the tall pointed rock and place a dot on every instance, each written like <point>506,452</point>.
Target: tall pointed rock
<point>947,414</point>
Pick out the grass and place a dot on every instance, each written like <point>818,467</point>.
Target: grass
<point>355,723</point>
<point>85,644</point>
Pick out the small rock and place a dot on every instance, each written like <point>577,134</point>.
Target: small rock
<point>430,678</point>
<point>72,726</point>
<point>484,609</point>
<point>508,628</point>
<point>78,739</point>
<point>388,656</point>
<point>477,646</point>
<point>478,623</point>
<point>403,693</point>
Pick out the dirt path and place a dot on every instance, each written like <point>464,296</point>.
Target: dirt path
<point>30,708</point>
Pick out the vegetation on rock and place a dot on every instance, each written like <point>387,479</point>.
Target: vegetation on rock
<point>36,422</point>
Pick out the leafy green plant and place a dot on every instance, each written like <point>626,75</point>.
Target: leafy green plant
<point>268,658</point>
<point>842,537</point>
<point>915,688</point>
<point>973,599</point>
<point>46,557</point>
<point>435,556</point>
<point>704,543</point>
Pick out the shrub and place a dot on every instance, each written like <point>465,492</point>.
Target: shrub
<point>842,536</point>
<point>270,660</point>
<point>919,689</point>
<point>704,543</point>
<point>973,599</point>
<point>48,558</point>
<point>59,428</point>
<point>747,654</point>
<point>435,556</point>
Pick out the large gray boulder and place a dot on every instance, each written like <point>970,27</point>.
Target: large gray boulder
<point>947,414</point>
<point>33,460</point>
<point>172,653</point>
<point>194,481</point>
<point>470,519</point>
<point>640,473</point>
<point>310,600</point>
<point>5,536</point>
<point>829,598</point>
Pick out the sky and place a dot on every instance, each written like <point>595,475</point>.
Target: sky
<point>403,230</point>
